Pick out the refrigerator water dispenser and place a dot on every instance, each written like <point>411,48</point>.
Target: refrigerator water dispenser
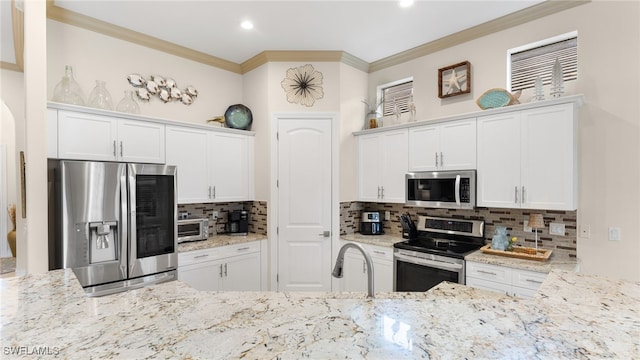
<point>103,237</point>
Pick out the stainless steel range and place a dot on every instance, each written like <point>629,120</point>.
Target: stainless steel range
<point>435,252</point>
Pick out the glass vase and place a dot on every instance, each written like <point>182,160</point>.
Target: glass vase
<point>372,120</point>
<point>100,97</point>
<point>128,104</point>
<point>67,90</point>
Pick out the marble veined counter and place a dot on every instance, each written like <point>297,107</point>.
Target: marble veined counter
<point>219,240</point>
<point>554,262</point>
<point>574,316</point>
<point>379,240</point>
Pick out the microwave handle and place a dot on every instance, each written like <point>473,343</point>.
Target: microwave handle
<point>457,190</point>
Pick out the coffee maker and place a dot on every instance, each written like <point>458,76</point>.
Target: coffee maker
<point>238,222</point>
<point>371,223</point>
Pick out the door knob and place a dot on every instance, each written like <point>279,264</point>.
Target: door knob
<point>325,233</point>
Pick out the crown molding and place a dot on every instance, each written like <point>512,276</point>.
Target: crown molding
<point>303,56</point>
<point>502,23</point>
<point>546,8</point>
<point>86,22</point>
<point>10,66</point>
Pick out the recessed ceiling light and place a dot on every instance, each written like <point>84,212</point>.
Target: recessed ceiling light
<point>406,3</point>
<point>247,25</point>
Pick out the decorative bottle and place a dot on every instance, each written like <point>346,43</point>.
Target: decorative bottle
<point>100,97</point>
<point>557,80</point>
<point>128,104</point>
<point>372,120</point>
<point>68,91</point>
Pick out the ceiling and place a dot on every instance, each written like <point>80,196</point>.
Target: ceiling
<point>368,30</point>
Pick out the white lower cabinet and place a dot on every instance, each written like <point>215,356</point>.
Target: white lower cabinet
<point>510,281</point>
<point>355,269</point>
<point>226,268</point>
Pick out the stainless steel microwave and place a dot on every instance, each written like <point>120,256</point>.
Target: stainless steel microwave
<point>192,229</point>
<point>441,189</point>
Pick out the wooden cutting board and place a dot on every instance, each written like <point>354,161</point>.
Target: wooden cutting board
<point>520,253</point>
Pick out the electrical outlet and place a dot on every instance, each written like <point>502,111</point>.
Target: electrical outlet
<point>614,234</point>
<point>556,229</point>
<point>526,227</point>
<point>387,215</point>
<point>585,231</point>
<point>214,215</point>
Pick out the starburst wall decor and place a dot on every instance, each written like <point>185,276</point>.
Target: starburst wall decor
<point>303,85</point>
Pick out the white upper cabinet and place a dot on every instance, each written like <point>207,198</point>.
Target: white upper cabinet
<point>382,165</point>
<point>86,136</point>
<point>83,136</point>
<point>187,148</point>
<point>231,170</point>
<point>141,142</point>
<point>212,166</point>
<point>528,159</point>
<point>444,146</point>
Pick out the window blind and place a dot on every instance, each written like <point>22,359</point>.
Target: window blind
<point>399,95</point>
<point>528,64</point>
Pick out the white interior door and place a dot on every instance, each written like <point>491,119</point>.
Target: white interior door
<point>304,204</point>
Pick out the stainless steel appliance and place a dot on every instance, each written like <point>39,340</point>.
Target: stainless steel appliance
<point>193,229</point>
<point>436,253</point>
<point>442,189</point>
<point>116,224</point>
<point>238,222</point>
<point>371,223</point>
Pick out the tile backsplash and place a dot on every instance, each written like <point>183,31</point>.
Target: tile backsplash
<point>512,219</point>
<point>257,214</point>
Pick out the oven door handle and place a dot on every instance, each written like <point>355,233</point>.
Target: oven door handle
<point>431,263</point>
<point>457,190</point>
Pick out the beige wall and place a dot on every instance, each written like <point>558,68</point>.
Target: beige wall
<point>353,89</point>
<point>12,93</point>
<point>609,123</point>
<point>98,57</point>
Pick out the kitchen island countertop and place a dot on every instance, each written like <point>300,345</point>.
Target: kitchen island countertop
<point>573,316</point>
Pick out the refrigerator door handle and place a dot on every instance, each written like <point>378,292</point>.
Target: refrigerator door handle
<point>123,228</point>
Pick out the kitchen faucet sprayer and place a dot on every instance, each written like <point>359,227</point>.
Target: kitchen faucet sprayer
<point>338,268</point>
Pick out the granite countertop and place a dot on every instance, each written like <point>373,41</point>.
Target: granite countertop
<point>7,265</point>
<point>574,316</point>
<point>554,262</point>
<point>219,240</point>
<point>378,240</point>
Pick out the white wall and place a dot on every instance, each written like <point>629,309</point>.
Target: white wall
<point>353,89</point>
<point>12,93</point>
<point>609,123</point>
<point>98,57</point>
<point>257,98</point>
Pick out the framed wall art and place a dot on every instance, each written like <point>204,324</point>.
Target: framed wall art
<point>454,80</point>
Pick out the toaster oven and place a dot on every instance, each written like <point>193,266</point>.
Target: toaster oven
<point>193,229</point>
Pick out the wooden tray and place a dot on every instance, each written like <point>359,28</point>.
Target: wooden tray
<point>519,252</point>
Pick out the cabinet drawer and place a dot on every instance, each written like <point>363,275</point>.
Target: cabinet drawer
<point>488,285</point>
<point>198,256</point>
<point>527,279</point>
<point>240,249</point>
<point>380,252</point>
<point>488,272</point>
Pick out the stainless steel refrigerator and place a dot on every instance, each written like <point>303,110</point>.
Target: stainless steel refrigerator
<point>115,224</point>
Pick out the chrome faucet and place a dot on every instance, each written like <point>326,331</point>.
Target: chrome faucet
<point>338,269</point>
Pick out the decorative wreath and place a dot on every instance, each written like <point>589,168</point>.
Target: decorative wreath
<point>303,85</point>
